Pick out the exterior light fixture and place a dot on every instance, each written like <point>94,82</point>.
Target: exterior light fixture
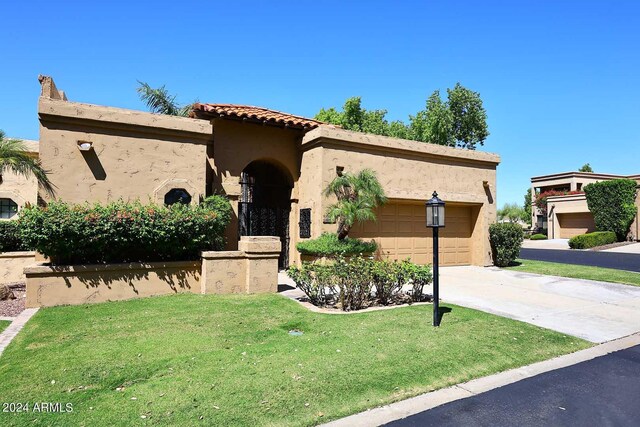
<point>435,220</point>
<point>85,145</point>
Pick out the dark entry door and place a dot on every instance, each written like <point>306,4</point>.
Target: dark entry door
<point>265,204</point>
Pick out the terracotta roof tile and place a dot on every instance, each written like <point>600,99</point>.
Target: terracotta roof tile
<point>253,113</point>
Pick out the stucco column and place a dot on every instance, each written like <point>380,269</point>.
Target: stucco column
<point>261,254</point>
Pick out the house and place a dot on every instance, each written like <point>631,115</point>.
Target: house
<point>567,213</point>
<point>18,190</point>
<point>273,166</point>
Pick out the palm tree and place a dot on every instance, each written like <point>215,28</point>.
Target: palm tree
<point>15,158</point>
<point>160,101</point>
<point>358,195</point>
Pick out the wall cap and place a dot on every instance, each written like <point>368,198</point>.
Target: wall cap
<point>44,268</point>
<point>17,254</point>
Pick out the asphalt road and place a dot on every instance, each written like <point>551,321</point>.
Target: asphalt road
<point>601,392</point>
<point>619,261</point>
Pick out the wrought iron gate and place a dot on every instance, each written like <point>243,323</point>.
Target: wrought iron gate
<point>260,217</point>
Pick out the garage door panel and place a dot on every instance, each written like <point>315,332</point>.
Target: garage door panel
<point>401,233</point>
<point>574,224</point>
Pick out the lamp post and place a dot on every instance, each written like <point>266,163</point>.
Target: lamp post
<point>435,220</point>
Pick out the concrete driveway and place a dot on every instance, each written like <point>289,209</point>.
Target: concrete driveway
<point>546,244</point>
<point>595,311</point>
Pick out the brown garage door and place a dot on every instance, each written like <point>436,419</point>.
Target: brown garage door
<point>401,233</point>
<point>573,224</point>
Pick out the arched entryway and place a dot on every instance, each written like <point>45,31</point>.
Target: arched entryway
<point>265,204</point>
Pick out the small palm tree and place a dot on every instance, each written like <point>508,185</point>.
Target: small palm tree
<point>160,101</point>
<point>15,158</point>
<point>358,195</point>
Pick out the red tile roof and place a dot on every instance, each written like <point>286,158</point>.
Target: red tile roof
<point>258,114</point>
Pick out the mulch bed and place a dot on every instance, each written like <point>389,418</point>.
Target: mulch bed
<point>610,246</point>
<point>13,307</point>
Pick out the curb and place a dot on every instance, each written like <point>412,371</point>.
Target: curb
<point>16,326</point>
<point>423,402</point>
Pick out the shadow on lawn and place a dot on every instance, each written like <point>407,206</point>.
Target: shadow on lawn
<point>442,311</point>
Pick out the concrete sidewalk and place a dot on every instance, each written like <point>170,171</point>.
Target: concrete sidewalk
<point>546,244</point>
<point>595,311</point>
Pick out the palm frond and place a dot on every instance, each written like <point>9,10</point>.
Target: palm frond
<point>15,158</point>
<point>159,100</point>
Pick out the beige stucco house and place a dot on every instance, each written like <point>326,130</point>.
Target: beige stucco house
<point>17,190</point>
<point>568,215</point>
<point>273,167</point>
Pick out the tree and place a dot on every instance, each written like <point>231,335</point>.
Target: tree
<point>512,212</point>
<point>460,121</point>
<point>15,158</point>
<point>528,208</point>
<point>585,168</point>
<point>357,196</point>
<point>160,101</point>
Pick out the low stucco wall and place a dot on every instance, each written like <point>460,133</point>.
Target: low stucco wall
<point>81,284</point>
<point>253,269</point>
<point>12,265</point>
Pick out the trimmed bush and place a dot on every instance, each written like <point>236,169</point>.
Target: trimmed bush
<point>10,240</point>
<point>506,240</point>
<point>591,240</point>
<point>539,236</point>
<point>123,232</point>
<point>328,245</point>
<point>349,284</point>
<point>612,204</point>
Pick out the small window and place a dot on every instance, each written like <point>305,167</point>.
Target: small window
<point>177,195</point>
<point>305,223</point>
<point>8,208</point>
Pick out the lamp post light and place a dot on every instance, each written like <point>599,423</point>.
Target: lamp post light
<point>435,220</point>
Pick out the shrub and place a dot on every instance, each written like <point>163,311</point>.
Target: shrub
<point>122,232</point>
<point>329,245</point>
<point>539,236</point>
<point>591,240</point>
<point>612,204</point>
<point>10,240</point>
<point>350,283</point>
<point>506,239</point>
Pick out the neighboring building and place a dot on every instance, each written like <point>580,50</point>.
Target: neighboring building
<point>568,215</point>
<point>18,190</point>
<point>273,167</point>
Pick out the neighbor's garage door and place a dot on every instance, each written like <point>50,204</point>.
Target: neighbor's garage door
<point>401,233</point>
<point>573,224</point>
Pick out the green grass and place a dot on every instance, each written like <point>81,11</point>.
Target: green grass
<point>577,271</point>
<point>229,360</point>
<point>4,324</point>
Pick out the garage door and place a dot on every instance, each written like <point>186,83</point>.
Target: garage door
<point>573,224</point>
<point>401,233</point>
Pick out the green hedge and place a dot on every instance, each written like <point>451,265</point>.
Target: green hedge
<point>124,232</point>
<point>329,245</point>
<point>538,236</point>
<point>506,239</point>
<point>361,282</point>
<point>591,240</point>
<point>10,240</point>
<point>612,204</point>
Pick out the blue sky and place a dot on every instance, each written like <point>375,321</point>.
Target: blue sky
<point>560,80</point>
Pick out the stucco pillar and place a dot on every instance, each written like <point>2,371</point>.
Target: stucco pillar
<point>261,254</point>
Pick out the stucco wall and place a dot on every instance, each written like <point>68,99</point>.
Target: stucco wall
<point>134,155</point>
<point>20,189</point>
<point>407,170</point>
<point>12,265</point>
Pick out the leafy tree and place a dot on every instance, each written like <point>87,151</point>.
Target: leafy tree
<point>357,196</point>
<point>15,158</point>
<point>527,205</point>
<point>613,205</point>
<point>585,168</point>
<point>460,121</point>
<point>160,101</point>
<point>512,212</point>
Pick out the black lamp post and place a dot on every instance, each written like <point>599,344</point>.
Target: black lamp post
<point>435,220</point>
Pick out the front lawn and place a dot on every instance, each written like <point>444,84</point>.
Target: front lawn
<point>4,324</point>
<point>577,271</point>
<point>229,360</point>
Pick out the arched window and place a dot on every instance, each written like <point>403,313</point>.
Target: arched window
<point>8,208</point>
<point>177,195</point>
